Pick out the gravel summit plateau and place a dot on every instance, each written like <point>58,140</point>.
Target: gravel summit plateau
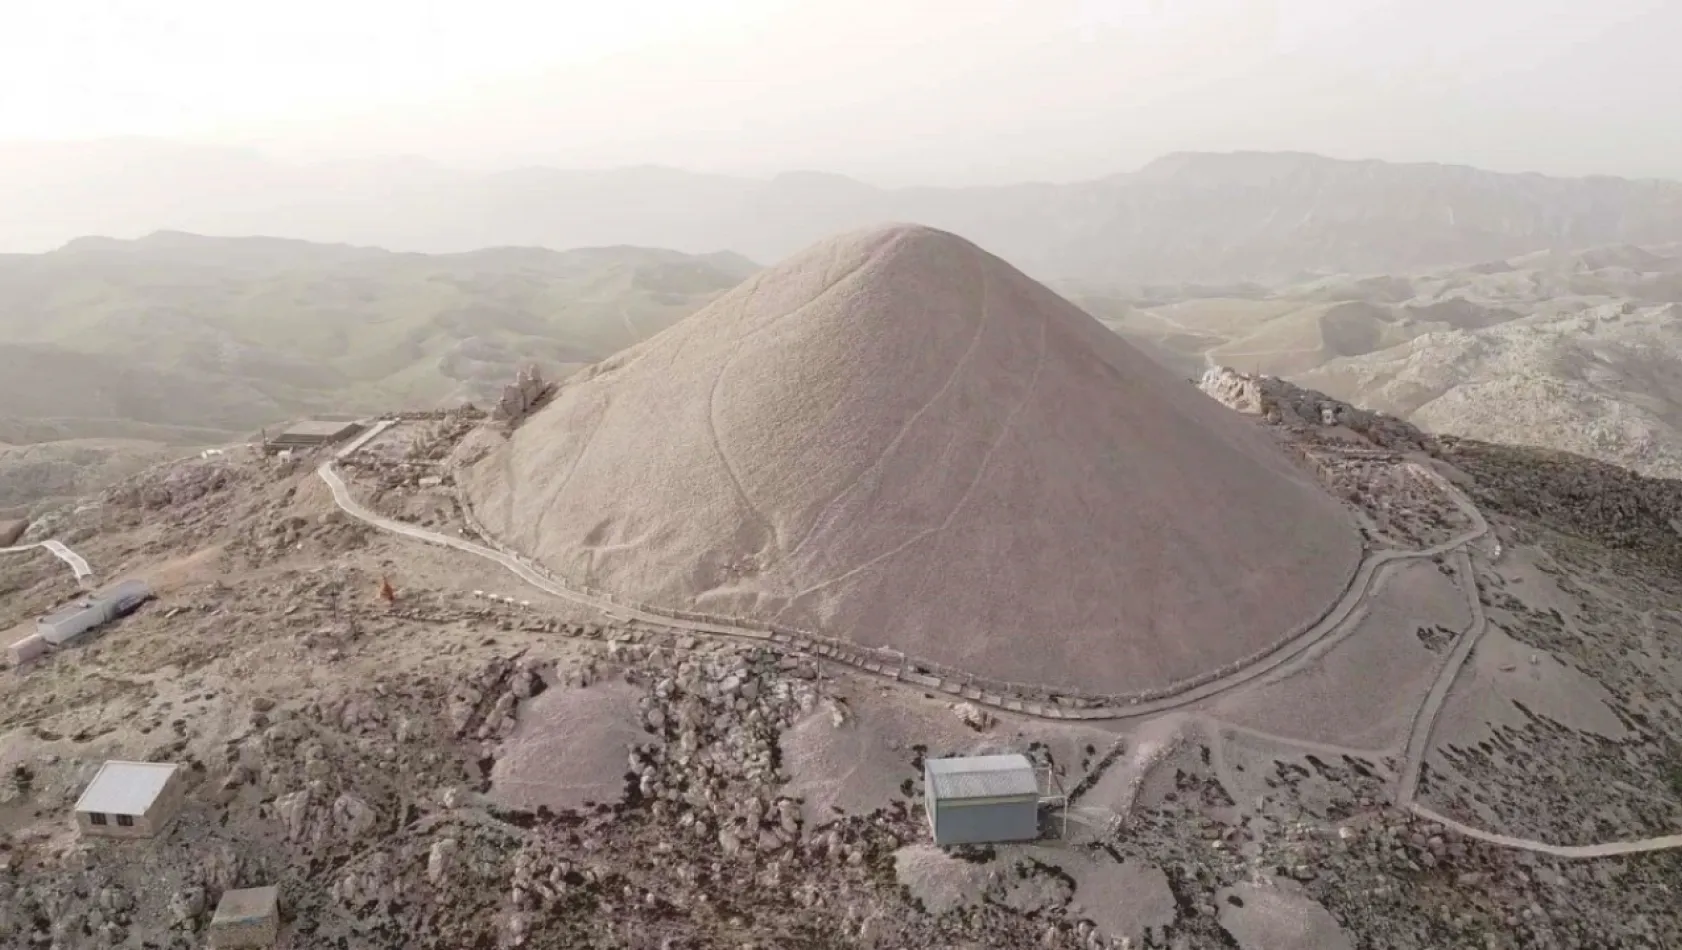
<point>655,657</point>
<point>896,438</point>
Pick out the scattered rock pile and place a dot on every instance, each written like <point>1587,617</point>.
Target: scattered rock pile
<point>716,768</point>
<point>435,442</point>
<point>177,485</point>
<point>483,707</point>
<point>520,396</point>
<point>1283,404</point>
<point>1614,506</point>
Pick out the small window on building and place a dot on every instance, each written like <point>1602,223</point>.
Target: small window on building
<point>97,818</point>
<point>126,821</point>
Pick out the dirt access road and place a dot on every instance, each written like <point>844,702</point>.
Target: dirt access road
<point>77,564</point>
<point>1424,719</point>
<point>1270,662</point>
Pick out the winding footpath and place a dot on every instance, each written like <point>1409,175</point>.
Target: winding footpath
<point>78,565</point>
<point>1294,650</point>
<point>1425,717</point>
<point>1420,744</point>
<point>1424,720</point>
<point>349,505</point>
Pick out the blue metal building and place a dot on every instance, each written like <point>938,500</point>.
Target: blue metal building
<point>981,799</point>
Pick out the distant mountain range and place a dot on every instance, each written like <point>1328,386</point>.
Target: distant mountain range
<point>1185,218</point>
<point>120,350</point>
<point>1508,307</point>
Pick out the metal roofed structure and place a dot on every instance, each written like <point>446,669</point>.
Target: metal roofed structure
<point>74,619</point>
<point>981,799</point>
<point>311,433</point>
<point>319,429</point>
<point>982,776</point>
<point>130,799</point>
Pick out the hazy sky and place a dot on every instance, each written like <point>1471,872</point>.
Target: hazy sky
<point>895,91</point>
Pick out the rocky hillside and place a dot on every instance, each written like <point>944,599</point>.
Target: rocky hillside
<point>180,340</point>
<point>471,762</point>
<point>1606,504</point>
<point>47,473</point>
<point>1579,351</point>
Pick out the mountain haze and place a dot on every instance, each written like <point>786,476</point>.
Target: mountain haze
<point>1580,351</point>
<point>1185,217</point>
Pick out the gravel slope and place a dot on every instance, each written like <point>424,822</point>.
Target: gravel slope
<point>897,438</point>
<point>1603,382</point>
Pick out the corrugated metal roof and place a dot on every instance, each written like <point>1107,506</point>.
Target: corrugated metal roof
<point>316,429</point>
<point>126,591</point>
<point>125,788</point>
<point>69,611</point>
<point>982,776</point>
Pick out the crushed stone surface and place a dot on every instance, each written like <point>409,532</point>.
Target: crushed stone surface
<point>898,439</point>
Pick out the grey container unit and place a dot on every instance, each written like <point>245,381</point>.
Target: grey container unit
<point>72,620</point>
<point>981,799</point>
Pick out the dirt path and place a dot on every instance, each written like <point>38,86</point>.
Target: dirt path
<point>1273,660</point>
<point>78,565</point>
<point>1418,743</point>
<point>1419,746</point>
<point>1425,717</point>
<point>1608,849</point>
<point>342,498</point>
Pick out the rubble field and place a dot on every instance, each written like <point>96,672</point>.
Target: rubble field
<point>475,763</point>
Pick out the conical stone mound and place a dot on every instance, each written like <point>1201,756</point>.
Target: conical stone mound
<point>897,439</point>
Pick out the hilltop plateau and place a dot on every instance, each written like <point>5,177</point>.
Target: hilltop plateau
<point>428,740</point>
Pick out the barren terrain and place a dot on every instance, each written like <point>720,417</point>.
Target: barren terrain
<point>850,441</point>
<point>1580,351</point>
<point>1475,750</point>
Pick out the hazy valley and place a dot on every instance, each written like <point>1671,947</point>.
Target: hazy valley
<point>116,352</point>
<point>1186,217</point>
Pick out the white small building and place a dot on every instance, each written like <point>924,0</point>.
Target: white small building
<point>130,800</point>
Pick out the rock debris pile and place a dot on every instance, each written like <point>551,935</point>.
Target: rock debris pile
<point>846,442</point>
<point>1614,506</point>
